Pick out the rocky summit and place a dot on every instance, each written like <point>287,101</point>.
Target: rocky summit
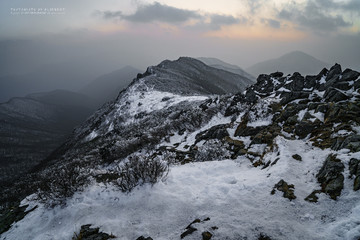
<point>279,160</point>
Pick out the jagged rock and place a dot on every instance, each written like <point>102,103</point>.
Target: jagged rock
<point>312,197</point>
<point>188,231</point>
<point>264,84</point>
<point>351,142</point>
<point>310,82</point>
<point>267,135</point>
<point>287,189</point>
<point>292,110</point>
<point>263,237</point>
<point>322,108</point>
<point>357,85</point>
<point>287,97</point>
<point>215,132</point>
<point>297,157</point>
<point>144,238</point>
<point>236,146</point>
<point>276,74</point>
<point>250,96</point>
<point>334,95</point>
<point>88,233</point>
<point>304,128</point>
<point>333,72</point>
<point>206,235</point>
<point>354,169</point>
<point>330,176</point>
<point>349,75</point>
<point>243,130</point>
<point>342,86</point>
<point>293,120</point>
<point>297,83</point>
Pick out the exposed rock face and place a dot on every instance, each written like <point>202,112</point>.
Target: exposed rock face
<point>144,238</point>
<point>287,189</point>
<point>216,132</point>
<point>354,168</point>
<point>330,176</point>
<point>88,233</point>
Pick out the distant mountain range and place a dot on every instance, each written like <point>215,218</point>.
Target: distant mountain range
<point>217,63</point>
<point>32,127</point>
<point>289,63</point>
<point>106,87</point>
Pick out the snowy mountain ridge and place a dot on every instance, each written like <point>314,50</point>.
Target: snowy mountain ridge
<point>280,160</point>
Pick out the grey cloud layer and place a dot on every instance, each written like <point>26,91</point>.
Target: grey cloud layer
<point>164,13</point>
<point>316,14</point>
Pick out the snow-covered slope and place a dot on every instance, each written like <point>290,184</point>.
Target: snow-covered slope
<point>278,161</point>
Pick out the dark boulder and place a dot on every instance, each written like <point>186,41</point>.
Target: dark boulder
<point>342,86</point>
<point>276,74</point>
<point>287,97</point>
<point>297,82</point>
<point>334,95</point>
<point>312,197</point>
<point>304,128</point>
<point>242,131</point>
<point>206,236</point>
<point>287,189</point>
<point>267,135</point>
<point>215,132</point>
<point>333,72</point>
<point>354,169</point>
<point>310,82</point>
<point>250,96</point>
<point>88,233</point>
<point>297,157</point>
<point>349,75</point>
<point>144,238</point>
<point>330,176</point>
<point>351,142</point>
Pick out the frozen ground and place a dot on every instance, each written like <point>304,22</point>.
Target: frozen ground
<point>232,193</point>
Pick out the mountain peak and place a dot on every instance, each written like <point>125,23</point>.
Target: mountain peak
<point>296,61</point>
<point>187,75</point>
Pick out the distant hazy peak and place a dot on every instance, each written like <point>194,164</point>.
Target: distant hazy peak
<point>295,61</point>
<point>217,63</point>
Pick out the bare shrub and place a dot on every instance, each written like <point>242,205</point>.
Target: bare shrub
<point>211,150</point>
<point>140,170</point>
<point>56,186</point>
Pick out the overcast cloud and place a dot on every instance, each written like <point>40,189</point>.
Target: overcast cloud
<point>157,12</point>
<point>315,16</point>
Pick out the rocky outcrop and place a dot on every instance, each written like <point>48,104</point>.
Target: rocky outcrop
<point>144,238</point>
<point>88,233</point>
<point>215,132</point>
<point>330,176</point>
<point>354,168</point>
<point>287,189</point>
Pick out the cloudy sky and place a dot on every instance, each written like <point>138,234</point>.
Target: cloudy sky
<point>144,32</point>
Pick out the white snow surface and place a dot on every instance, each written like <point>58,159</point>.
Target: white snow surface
<point>142,99</point>
<point>232,193</point>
